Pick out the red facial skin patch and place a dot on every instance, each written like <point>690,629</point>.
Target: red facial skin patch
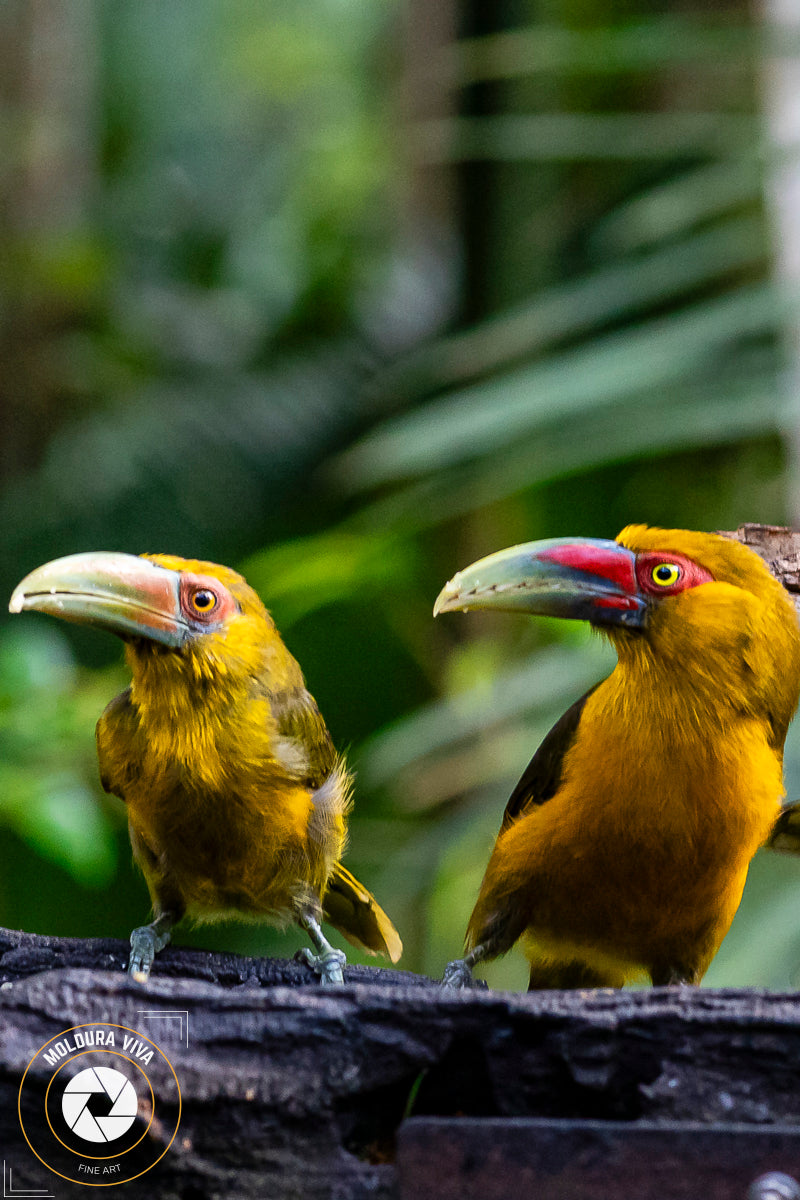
<point>224,605</point>
<point>615,565</point>
<point>632,574</point>
<point>615,602</point>
<point>690,574</point>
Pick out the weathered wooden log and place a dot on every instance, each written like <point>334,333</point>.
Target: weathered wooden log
<point>780,549</point>
<point>293,1091</point>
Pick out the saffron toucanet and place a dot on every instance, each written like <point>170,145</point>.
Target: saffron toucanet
<point>237,800</point>
<point>625,845</point>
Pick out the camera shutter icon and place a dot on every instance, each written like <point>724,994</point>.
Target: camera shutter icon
<point>99,1104</point>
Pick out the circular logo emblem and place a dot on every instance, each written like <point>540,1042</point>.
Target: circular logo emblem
<point>88,1098</point>
<point>118,1104</point>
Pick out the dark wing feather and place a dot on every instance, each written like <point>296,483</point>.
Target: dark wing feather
<point>116,733</point>
<point>785,835</point>
<point>542,776</point>
<point>300,722</point>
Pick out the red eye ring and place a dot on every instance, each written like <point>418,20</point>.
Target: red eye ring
<point>683,573</point>
<point>205,600</point>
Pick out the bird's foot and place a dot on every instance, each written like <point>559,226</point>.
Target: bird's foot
<point>458,975</point>
<point>674,976</point>
<point>328,964</point>
<point>146,941</point>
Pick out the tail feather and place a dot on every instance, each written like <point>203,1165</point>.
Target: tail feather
<point>350,908</point>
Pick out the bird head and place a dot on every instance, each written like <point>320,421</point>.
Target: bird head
<point>684,600</point>
<point>178,616</point>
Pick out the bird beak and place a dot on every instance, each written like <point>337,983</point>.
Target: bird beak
<point>588,579</point>
<point>127,595</point>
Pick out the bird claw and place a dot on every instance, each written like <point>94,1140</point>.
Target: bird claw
<point>143,951</point>
<point>146,941</point>
<point>458,975</point>
<point>327,965</point>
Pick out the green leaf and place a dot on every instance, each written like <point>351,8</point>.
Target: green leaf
<point>489,416</point>
<point>541,682</point>
<point>297,577</point>
<point>639,45</point>
<point>662,421</point>
<point>59,816</point>
<point>585,137</point>
<point>578,306</point>
<point>676,205</point>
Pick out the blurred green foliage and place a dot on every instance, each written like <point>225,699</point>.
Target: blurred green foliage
<point>257,307</point>
<point>48,707</point>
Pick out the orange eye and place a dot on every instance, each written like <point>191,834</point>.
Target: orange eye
<point>203,601</point>
<point>666,574</point>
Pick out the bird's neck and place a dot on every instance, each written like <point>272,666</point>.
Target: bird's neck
<point>697,696</point>
<point>190,709</point>
<point>716,656</point>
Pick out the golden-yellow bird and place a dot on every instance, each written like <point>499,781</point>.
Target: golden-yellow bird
<point>625,846</point>
<point>237,801</point>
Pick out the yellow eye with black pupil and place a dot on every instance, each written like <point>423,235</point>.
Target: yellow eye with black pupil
<point>204,601</point>
<point>666,574</point>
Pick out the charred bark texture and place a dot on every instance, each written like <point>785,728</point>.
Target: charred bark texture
<point>780,549</point>
<point>294,1091</point>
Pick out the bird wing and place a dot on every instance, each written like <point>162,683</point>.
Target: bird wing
<point>115,732</point>
<point>307,747</point>
<point>542,776</point>
<point>346,903</point>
